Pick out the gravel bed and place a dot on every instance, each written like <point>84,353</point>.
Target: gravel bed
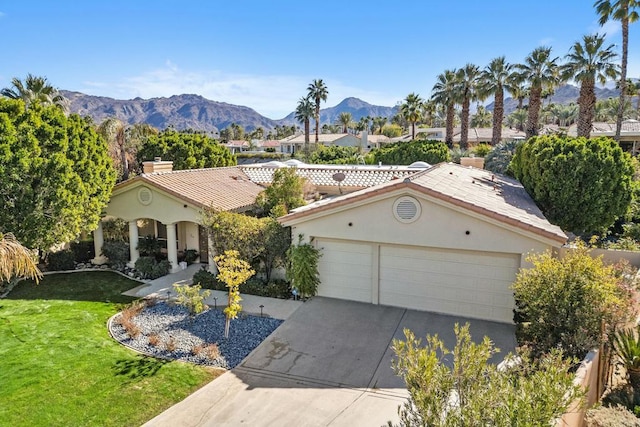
<point>172,326</point>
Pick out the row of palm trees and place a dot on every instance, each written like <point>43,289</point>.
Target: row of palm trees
<point>588,62</point>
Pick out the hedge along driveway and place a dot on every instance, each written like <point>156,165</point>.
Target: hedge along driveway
<point>59,366</point>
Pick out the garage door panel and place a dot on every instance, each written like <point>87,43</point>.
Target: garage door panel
<point>345,270</point>
<point>466,283</point>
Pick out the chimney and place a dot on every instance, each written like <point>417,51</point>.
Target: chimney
<point>157,166</point>
<point>476,162</point>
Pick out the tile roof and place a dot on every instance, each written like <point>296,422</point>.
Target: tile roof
<point>477,190</point>
<point>227,188</point>
<point>609,129</point>
<point>322,175</point>
<point>322,138</point>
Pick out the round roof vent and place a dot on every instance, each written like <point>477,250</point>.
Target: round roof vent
<point>406,209</point>
<point>274,164</point>
<point>293,162</point>
<point>145,196</point>
<point>419,165</point>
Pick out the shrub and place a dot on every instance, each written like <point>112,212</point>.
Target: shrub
<point>582,185</point>
<point>624,396</point>
<point>209,351</point>
<point>61,260</point>
<point>405,153</point>
<point>83,251</point>
<point>118,253</point>
<point>481,150</point>
<point>150,268</point>
<point>171,344</point>
<point>154,340</point>
<point>233,272</point>
<point>149,246</point>
<point>190,256</point>
<point>191,298</point>
<point>456,153</point>
<point>562,303</point>
<point>615,416</point>
<point>336,155</point>
<point>207,280</point>
<point>302,269</point>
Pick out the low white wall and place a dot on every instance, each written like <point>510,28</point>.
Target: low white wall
<point>587,378</point>
<point>610,256</point>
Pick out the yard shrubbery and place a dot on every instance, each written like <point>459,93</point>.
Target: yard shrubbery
<point>406,153</point>
<point>254,286</point>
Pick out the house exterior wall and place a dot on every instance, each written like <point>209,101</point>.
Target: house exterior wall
<point>438,226</point>
<point>162,207</point>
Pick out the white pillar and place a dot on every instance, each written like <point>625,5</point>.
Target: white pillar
<point>172,251</point>
<point>98,241</point>
<point>212,254</point>
<point>134,254</point>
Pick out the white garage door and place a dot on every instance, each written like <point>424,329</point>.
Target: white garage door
<point>345,270</point>
<point>464,283</point>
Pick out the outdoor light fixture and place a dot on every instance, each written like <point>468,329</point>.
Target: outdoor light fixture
<point>261,307</point>
<point>215,303</point>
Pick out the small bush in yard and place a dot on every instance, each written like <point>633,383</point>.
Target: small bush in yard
<point>61,260</point>
<point>154,340</point>
<point>207,280</point>
<point>209,351</point>
<point>118,253</point>
<point>191,298</point>
<point>83,250</point>
<point>615,416</point>
<point>150,268</point>
<point>562,303</point>
<point>623,395</point>
<point>170,344</point>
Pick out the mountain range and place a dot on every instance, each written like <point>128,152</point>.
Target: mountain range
<point>198,113</point>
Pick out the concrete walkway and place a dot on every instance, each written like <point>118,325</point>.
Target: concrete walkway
<point>251,304</point>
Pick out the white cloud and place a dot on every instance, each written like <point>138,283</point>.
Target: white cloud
<point>273,96</point>
<point>611,28</point>
<point>547,41</point>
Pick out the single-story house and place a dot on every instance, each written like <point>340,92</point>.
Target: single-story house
<point>237,146</point>
<point>168,204</point>
<point>296,143</point>
<point>447,239</point>
<point>629,133</point>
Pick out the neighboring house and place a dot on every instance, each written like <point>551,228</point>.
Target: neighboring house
<point>168,204</point>
<point>268,145</point>
<point>296,143</point>
<point>237,146</point>
<point>476,135</point>
<point>448,239</point>
<point>629,134</point>
<point>333,179</point>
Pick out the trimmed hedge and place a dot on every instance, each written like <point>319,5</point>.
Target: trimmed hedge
<point>253,286</point>
<point>61,260</point>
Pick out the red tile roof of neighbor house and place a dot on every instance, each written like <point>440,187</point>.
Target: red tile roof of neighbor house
<point>492,195</point>
<point>322,175</point>
<point>227,188</point>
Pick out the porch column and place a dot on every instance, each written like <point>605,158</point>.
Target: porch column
<point>98,241</point>
<point>212,254</point>
<point>134,254</point>
<point>172,251</point>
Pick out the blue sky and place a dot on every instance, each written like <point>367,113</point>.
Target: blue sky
<point>264,53</point>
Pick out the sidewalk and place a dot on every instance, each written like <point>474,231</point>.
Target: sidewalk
<point>251,304</point>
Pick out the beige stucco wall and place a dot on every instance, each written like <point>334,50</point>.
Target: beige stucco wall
<point>438,226</point>
<point>163,207</point>
<point>188,236</point>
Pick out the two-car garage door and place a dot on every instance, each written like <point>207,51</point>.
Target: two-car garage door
<point>465,283</point>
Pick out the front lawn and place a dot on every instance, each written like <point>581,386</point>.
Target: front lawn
<point>59,366</point>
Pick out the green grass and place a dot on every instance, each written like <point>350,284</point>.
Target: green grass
<point>59,366</point>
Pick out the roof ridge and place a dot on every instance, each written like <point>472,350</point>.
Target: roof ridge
<point>188,170</point>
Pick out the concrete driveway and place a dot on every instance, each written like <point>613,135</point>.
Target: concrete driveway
<point>329,364</point>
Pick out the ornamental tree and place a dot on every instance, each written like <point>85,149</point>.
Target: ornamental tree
<point>286,189</point>
<point>582,185</point>
<point>56,176</point>
<point>186,150</point>
<point>233,272</point>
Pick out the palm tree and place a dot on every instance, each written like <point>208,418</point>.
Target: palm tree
<point>493,80</point>
<point>318,91</point>
<point>625,12</point>
<point>585,63</point>
<point>563,115</point>
<point>483,118</point>
<point>114,132</point>
<point>379,122</point>
<point>411,111</point>
<point>517,119</point>
<point>345,120</point>
<point>16,260</point>
<point>541,71</point>
<point>466,91</point>
<point>443,93</point>
<point>35,90</point>
<point>303,114</point>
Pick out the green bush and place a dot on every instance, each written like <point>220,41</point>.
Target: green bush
<point>623,396</point>
<point>207,280</point>
<point>456,153</point>
<point>190,256</point>
<point>582,185</point>
<point>405,153</point>
<point>335,155</point>
<point>83,251</point>
<point>302,268</point>
<point>563,303</point>
<point>616,416</point>
<point>149,246</point>
<point>253,286</point>
<point>118,253</point>
<point>150,268</point>
<point>61,260</point>
<point>481,150</point>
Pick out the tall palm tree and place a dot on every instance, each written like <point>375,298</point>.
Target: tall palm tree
<point>318,92</point>
<point>563,115</point>
<point>345,120</point>
<point>541,71</point>
<point>493,80</point>
<point>625,12</point>
<point>517,87</point>
<point>378,123</point>
<point>517,119</point>
<point>303,114</point>
<point>411,110</point>
<point>467,79</point>
<point>114,132</point>
<point>585,63</point>
<point>483,118</point>
<point>428,112</point>
<point>16,260</point>
<point>443,93</point>
<point>35,90</point>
